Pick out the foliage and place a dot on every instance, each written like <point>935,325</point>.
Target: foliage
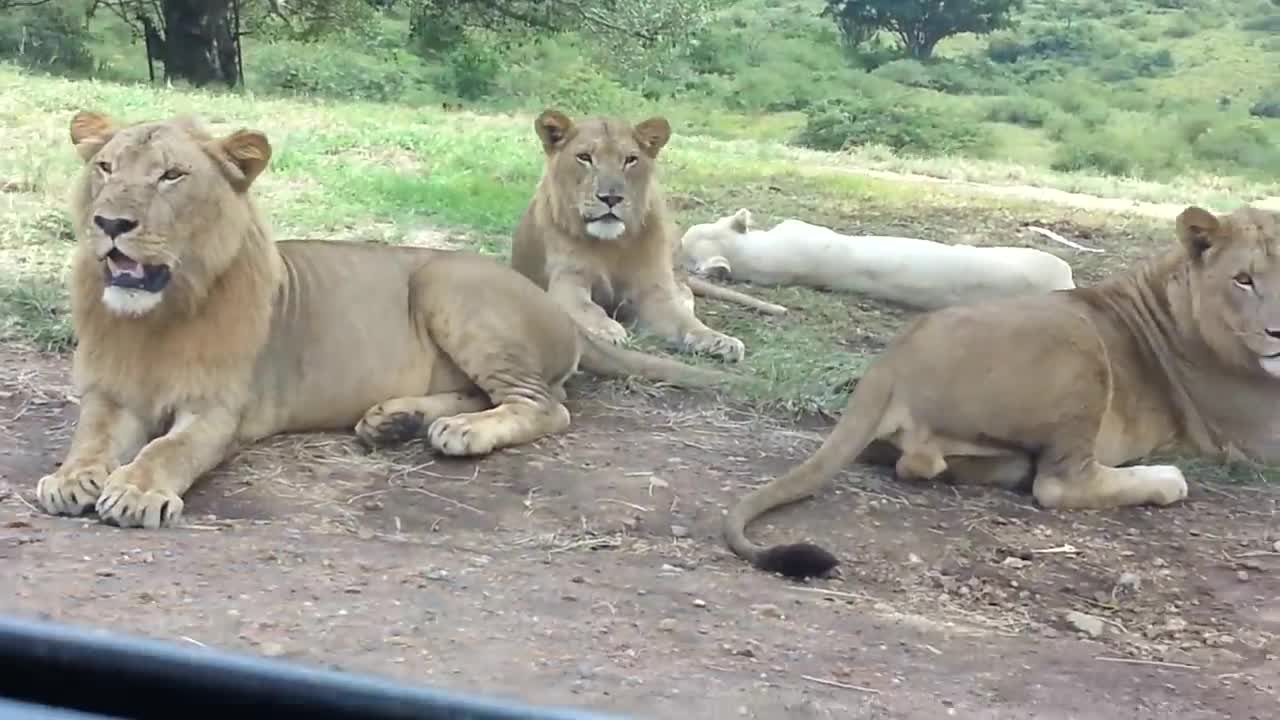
<point>45,37</point>
<point>919,25</point>
<point>894,122</point>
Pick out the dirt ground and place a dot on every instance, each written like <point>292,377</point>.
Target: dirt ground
<point>587,570</point>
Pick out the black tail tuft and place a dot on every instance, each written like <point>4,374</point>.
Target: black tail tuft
<point>798,561</point>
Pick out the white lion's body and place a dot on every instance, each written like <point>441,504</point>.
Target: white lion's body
<point>918,273</point>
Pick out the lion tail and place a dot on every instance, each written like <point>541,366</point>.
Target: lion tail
<point>852,434</point>
<point>703,288</point>
<point>604,358</point>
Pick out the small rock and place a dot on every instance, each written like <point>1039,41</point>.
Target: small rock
<point>699,603</point>
<point>1129,582</point>
<point>1091,625</point>
<point>1014,562</point>
<point>767,609</point>
<point>667,624</point>
<point>914,559</point>
<point>104,573</point>
<point>1175,625</point>
<point>1276,546</point>
<point>577,579</point>
<point>679,531</point>
<point>1158,562</point>
<point>1242,575</point>
<point>372,505</point>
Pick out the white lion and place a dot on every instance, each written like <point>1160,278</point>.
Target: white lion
<point>917,273</point>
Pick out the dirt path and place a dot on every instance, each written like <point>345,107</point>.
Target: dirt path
<point>587,571</point>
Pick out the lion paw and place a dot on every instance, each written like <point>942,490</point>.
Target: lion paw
<point>608,330</point>
<point>380,427</point>
<point>71,490</point>
<point>123,503</point>
<point>1167,485</point>
<point>725,347</point>
<point>459,436</point>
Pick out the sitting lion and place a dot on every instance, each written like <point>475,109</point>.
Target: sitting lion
<point>1060,390</point>
<point>598,237</point>
<point>197,332</point>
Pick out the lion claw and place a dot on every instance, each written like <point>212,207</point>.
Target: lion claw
<point>124,505</point>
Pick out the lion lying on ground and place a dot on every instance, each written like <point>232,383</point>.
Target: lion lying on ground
<point>598,238</point>
<point>921,274</point>
<point>197,332</point>
<point>1059,390</point>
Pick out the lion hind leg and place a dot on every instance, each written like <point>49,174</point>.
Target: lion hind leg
<point>1097,487</point>
<point>403,419</point>
<point>510,339</point>
<point>510,423</point>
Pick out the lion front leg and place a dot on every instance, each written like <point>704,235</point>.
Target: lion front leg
<point>572,291</point>
<point>662,310</point>
<point>148,491</point>
<point>105,435</point>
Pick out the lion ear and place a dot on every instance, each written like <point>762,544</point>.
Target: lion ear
<point>245,154</point>
<point>89,132</point>
<point>552,127</point>
<point>653,134</point>
<point>1196,229</point>
<point>741,220</point>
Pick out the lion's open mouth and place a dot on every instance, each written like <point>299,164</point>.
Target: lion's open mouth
<point>124,272</point>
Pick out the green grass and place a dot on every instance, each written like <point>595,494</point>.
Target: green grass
<point>365,171</point>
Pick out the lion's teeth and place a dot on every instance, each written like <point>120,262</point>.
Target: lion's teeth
<point>127,266</point>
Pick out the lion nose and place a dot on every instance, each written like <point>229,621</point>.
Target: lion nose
<point>609,199</point>
<point>1273,332</point>
<point>114,227</point>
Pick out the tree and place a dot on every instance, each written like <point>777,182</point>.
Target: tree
<point>196,40</point>
<point>919,25</point>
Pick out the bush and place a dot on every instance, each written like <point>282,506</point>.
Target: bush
<point>471,70</point>
<point>295,68</point>
<point>1085,153</point>
<point>894,122</point>
<point>1022,110</point>
<point>1268,106</point>
<point>48,38</point>
<point>1237,148</point>
<point>1264,24</point>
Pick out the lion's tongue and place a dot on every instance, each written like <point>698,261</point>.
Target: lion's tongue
<point>121,264</point>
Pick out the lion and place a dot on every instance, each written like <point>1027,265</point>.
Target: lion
<point>920,274</point>
<point>1061,392</point>
<point>597,236</point>
<point>197,333</point>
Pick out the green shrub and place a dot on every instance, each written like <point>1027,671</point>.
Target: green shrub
<point>470,69</point>
<point>1085,154</point>
<point>310,69</point>
<point>895,122</point>
<point>1235,148</point>
<point>48,38</point>
<point>1267,106</point>
<point>1022,110</point>
<point>1264,24</point>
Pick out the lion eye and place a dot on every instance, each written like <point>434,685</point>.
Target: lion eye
<point>1243,280</point>
<point>172,174</point>
<point>105,167</point>
<point>584,158</point>
<point>630,160</point>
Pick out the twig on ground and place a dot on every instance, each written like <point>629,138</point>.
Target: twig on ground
<point>843,686</point>
<point>1153,663</point>
<point>1058,238</point>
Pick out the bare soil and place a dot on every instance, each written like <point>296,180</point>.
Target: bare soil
<point>587,570</point>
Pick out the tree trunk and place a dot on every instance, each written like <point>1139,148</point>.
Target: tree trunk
<point>199,42</point>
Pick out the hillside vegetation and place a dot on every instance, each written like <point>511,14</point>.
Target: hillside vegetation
<point>1155,89</point>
